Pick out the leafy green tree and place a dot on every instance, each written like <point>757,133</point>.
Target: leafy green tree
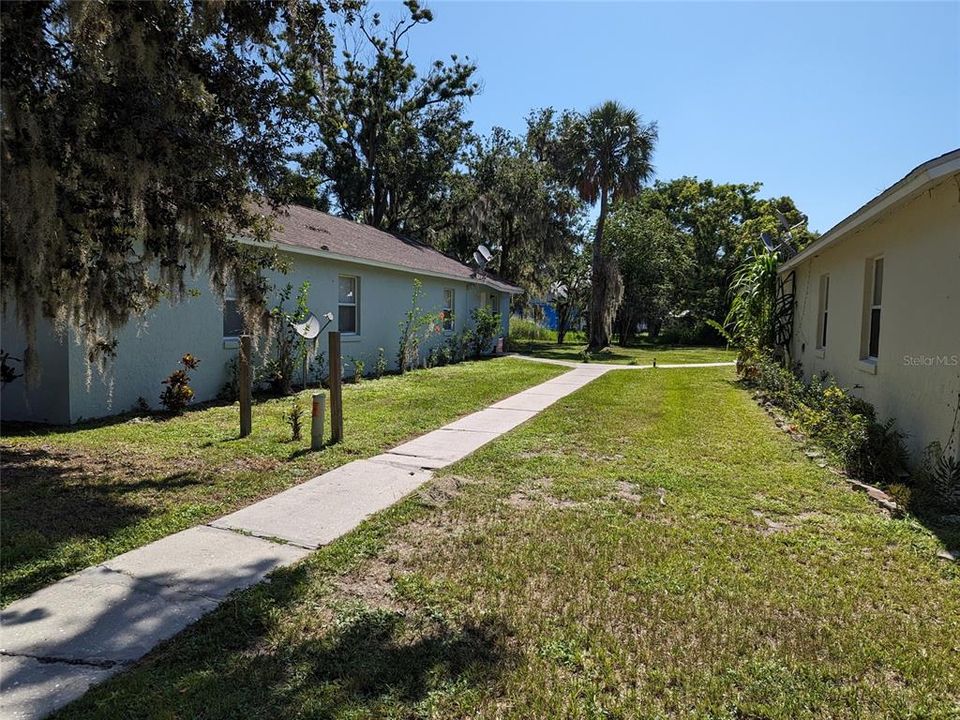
<point>750,321</point>
<point>388,136</point>
<point>606,156</point>
<point>573,276</point>
<point>133,135</point>
<point>654,258</point>
<point>511,199</point>
<point>720,223</point>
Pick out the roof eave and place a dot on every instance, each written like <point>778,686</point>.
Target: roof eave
<point>299,249</point>
<point>915,182</point>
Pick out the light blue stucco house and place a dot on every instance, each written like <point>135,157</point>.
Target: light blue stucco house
<point>362,276</point>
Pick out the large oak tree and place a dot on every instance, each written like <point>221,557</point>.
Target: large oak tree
<point>133,136</point>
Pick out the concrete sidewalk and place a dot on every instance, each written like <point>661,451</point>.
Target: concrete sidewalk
<point>619,366</point>
<point>77,632</point>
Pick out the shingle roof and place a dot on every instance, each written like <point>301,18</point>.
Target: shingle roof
<point>343,239</point>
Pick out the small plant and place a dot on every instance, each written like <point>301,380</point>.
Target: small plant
<point>381,367</point>
<point>415,323</point>
<point>319,366</point>
<point>433,357</point>
<point>141,406</point>
<point>358,367</point>
<point>294,418</point>
<point>585,355</point>
<point>8,373</point>
<point>178,393</point>
<point>445,354</point>
<point>901,495</point>
<point>288,347</point>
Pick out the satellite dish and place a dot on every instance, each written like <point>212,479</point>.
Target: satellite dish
<point>485,253</point>
<point>479,259</point>
<point>782,218</point>
<point>309,328</point>
<point>768,242</point>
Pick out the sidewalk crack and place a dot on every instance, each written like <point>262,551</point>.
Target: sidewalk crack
<point>53,659</point>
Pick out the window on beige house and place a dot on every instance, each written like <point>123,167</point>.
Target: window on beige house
<point>823,311</point>
<point>874,299</point>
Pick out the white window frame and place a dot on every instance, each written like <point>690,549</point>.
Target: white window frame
<point>823,312</point>
<point>449,308</point>
<point>873,303</point>
<point>355,305</point>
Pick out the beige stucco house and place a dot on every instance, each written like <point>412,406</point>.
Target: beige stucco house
<point>877,302</point>
<point>362,276</point>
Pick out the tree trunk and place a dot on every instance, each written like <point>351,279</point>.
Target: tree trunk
<point>563,319</point>
<point>600,312</point>
<point>627,321</point>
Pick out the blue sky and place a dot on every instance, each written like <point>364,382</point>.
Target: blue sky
<point>827,102</point>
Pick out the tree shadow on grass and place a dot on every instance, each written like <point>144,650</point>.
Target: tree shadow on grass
<point>52,499</point>
<point>939,520</point>
<point>262,654</point>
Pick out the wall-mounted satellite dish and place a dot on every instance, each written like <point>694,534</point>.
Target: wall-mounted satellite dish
<point>768,242</point>
<point>309,328</point>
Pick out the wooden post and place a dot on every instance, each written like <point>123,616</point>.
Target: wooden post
<point>246,399</point>
<point>336,382</point>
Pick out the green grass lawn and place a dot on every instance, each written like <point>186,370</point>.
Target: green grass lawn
<point>641,352</point>
<point>72,497</point>
<point>650,546</point>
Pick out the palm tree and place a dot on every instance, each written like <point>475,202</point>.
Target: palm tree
<point>608,152</point>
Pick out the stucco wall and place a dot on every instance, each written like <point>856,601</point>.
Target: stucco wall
<point>150,349</point>
<point>47,398</point>
<point>916,378</point>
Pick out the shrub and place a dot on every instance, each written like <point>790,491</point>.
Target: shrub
<point>939,472</point>
<point>486,325</point>
<point>414,324</point>
<point>381,367</point>
<point>178,393</point>
<point>294,418</point>
<point>845,425</point>
<point>358,367</point>
<point>445,354</point>
<point>288,347</point>
<point>523,329</point>
<point>319,367</point>
<point>230,392</point>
